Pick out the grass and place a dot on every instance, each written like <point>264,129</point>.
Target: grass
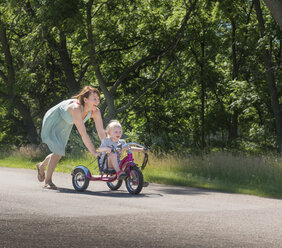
<point>223,171</point>
<point>256,175</point>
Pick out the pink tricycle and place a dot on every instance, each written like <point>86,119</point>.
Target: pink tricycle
<point>134,181</point>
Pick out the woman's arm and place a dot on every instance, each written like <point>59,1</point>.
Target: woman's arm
<point>96,115</point>
<point>77,119</point>
<point>104,149</point>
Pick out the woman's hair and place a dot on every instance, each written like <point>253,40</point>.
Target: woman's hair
<point>112,124</point>
<point>85,92</point>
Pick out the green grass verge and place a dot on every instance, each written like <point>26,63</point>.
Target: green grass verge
<point>186,179</point>
<point>222,172</point>
<point>66,165</point>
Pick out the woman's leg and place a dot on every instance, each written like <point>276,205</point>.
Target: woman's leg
<point>52,163</point>
<point>41,166</point>
<point>44,163</point>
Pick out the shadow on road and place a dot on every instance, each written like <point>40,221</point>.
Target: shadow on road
<point>175,190</point>
<point>107,193</point>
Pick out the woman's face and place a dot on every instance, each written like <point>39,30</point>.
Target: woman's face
<point>92,101</point>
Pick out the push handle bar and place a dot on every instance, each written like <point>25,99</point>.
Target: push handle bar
<point>133,144</point>
<point>127,146</point>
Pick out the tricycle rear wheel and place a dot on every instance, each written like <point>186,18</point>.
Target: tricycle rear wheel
<point>134,183</point>
<point>79,180</point>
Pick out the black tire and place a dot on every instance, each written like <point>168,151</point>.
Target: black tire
<point>115,185</point>
<point>79,180</point>
<point>134,183</point>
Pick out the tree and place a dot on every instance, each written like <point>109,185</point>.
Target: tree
<point>275,7</point>
<point>161,56</point>
<point>270,77</point>
<point>179,74</point>
<point>9,91</point>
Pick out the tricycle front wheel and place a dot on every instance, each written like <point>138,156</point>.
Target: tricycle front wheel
<point>134,183</point>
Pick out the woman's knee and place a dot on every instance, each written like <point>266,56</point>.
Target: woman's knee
<point>56,156</point>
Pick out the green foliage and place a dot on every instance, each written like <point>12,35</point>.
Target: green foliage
<point>214,95</point>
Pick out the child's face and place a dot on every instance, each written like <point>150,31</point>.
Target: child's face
<point>115,133</point>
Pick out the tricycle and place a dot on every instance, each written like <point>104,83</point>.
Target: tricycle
<point>81,175</point>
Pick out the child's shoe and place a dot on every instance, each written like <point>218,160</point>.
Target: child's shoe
<point>121,175</point>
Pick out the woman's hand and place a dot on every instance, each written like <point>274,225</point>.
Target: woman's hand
<point>97,154</point>
<point>104,149</point>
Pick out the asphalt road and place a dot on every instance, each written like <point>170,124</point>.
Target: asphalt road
<point>161,216</point>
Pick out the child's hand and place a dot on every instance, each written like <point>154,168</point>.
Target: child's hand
<point>109,150</point>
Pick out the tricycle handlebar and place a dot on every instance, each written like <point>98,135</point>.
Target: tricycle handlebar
<point>128,145</point>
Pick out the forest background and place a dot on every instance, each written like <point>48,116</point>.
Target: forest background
<point>182,76</point>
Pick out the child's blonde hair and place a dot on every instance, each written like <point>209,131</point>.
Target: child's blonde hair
<point>112,124</point>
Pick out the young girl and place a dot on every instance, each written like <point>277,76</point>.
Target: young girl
<point>58,123</point>
<point>114,132</point>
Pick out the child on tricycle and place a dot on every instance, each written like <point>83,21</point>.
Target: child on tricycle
<point>112,169</point>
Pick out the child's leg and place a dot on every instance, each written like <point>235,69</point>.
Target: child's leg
<point>112,162</point>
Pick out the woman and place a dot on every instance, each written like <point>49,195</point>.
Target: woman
<point>57,126</point>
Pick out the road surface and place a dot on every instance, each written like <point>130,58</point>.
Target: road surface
<point>161,216</point>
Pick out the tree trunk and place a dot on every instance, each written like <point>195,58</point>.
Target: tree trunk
<point>275,7</point>
<point>28,122</point>
<point>72,84</point>
<point>61,48</point>
<point>109,97</point>
<point>271,79</point>
<point>203,92</point>
<point>235,74</point>
<point>24,111</point>
<point>15,100</point>
<point>10,79</point>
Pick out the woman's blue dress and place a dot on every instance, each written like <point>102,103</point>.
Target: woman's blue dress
<point>57,125</point>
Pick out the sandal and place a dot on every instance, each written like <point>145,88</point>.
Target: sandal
<point>40,177</point>
<point>50,185</point>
